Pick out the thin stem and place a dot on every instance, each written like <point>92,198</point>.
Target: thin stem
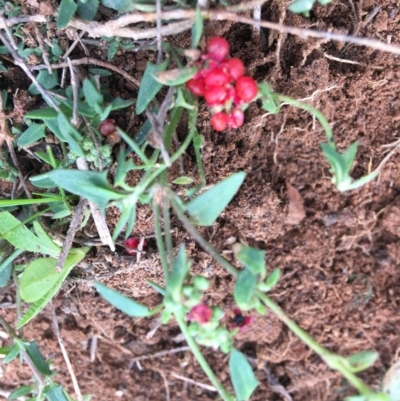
<point>160,242</point>
<point>202,242</point>
<point>201,360</point>
<point>18,292</point>
<point>200,167</point>
<point>332,360</point>
<point>316,113</point>
<point>167,229</point>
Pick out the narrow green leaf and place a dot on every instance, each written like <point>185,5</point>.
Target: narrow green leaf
<point>47,80</point>
<point>112,49</point>
<point>44,237</point>
<point>197,29</point>
<point>19,236</point>
<point>273,279</point>
<point>177,76</point>
<point>349,156</point>
<point>5,274</point>
<point>88,184</point>
<point>242,376</point>
<point>19,392</point>
<point>252,258</point>
<point>33,351</point>
<point>244,289</point>
<point>52,125</point>
<point>301,6</point>
<point>119,5</point>
<point>32,134</point>
<point>123,303</point>
<point>92,95</point>
<point>362,360</point>
<point>38,277</point>
<point>206,207</point>
<point>184,180</point>
<point>71,134</point>
<point>158,288</point>
<point>54,392</point>
<point>102,72</point>
<point>12,354</point>
<point>42,182</point>
<point>65,13</point>
<point>149,87</point>
<point>87,10</point>
<point>180,269</point>
<point>119,103</point>
<point>74,257</point>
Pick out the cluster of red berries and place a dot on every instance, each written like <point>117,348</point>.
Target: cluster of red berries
<point>222,82</point>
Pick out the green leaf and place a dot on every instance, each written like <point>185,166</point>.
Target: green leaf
<point>52,125</point>
<point>65,13</point>
<point>301,6</point>
<point>112,49</point>
<point>100,71</point>
<point>242,376</point>
<point>180,269</point>
<point>74,257</point>
<point>362,360</point>
<point>253,259</point>
<point>33,351</point>
<point>119,5</point>
<point>42,114</point>
<point>5,274</point>
<point>244,289</point>
<point>92,95</point>
<point>206,207</point>
<point>143,133</point>
<point>197,29</point>
<point>91,185</point>
<point>123,303</point>
<point>87,10</point>
<point>37,278</point>
<point>47,80</point>
<point>158,288</point>
<point>175,77</point>
<point>272,281</point>
<point>14,351</point>
<point>44,237</point>
<point>18,235</point>
<point>184,180</point>
<point>54,392</point>
<point>71,134</point>
<point>20,392</point>
<point>149,87</point>
<point>119,103</point>
<point>32,134</point>
<point>42,182</point>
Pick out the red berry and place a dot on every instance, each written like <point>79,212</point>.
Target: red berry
<point>218,48</point>
<point>246,89</point>
<point>216,95</point>
<point>236,118</point>
<point>219,121</point>
<point>234,67</point>
<point>196,86</point>
<point>107,127</point>
<point>216,77</point>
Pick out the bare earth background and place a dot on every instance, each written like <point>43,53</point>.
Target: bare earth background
<point>339,253</point>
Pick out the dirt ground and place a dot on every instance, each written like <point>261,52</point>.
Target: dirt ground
<point>339,253</point>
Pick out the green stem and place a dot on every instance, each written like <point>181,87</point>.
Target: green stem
<point>199,162</point>
<point>18,300</point>
<point>202,242</point>
<point>332,360</point>
<point>201,360</point>
<point>167,230</point>
<point>160,242</point>
<point>316,113</point>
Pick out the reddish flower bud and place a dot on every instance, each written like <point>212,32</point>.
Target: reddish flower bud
<point>234,67</point>
<point>200,313</point>
<point>239,321</point>
<point>216,95</point>
<point>246,89</point>
<point>196,86</point>
<point>219,121</point>
<point>216,77</point>
<point>107,127</point>
<point>131,245</point>
<point>236,118</point>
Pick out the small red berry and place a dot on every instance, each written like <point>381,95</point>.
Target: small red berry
<point>200,313</point>
<point>107,127</point>
<point>131,245</point>
<point>216,77</point>
<point>219,121</point>
<point>216,95</point>
<point>196,86</point>
<point>218,48</point>
<point>236,118</point>
<point>246,89</point>
<point>234,67</point>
